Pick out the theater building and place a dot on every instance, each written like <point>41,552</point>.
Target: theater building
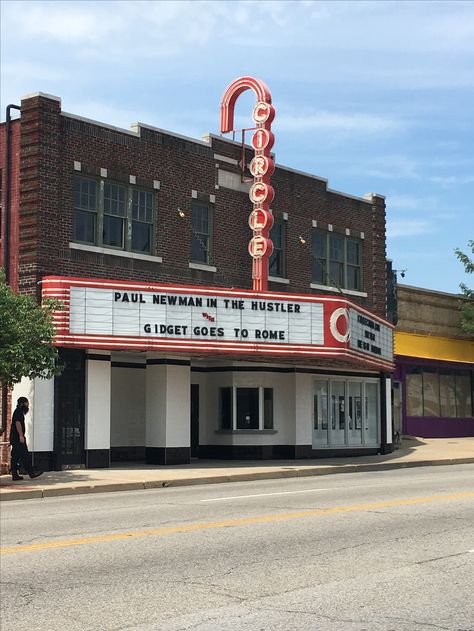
<point>184,332</point>
<point>433,385</point>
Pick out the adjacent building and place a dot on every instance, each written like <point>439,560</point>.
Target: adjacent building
<point>433,384</point>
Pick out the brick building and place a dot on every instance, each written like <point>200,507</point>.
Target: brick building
<point>168,352</point>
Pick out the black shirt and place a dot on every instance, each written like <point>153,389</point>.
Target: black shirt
<point>18,415</point>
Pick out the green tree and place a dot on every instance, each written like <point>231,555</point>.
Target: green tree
<point>467,306</point>
<point>26,337</point>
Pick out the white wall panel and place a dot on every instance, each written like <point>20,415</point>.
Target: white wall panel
<point>155,433</point>
<point>303,408</point>
<point>168,392</point>
<point>128,407</point>
<point>43,415</point>
<point>178,408</point>
<point>39,422</point>
<point>98,403</point>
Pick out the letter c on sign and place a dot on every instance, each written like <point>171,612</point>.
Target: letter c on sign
<point>339,313</point>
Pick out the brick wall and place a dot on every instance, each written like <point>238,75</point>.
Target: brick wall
<point>52,142</point>
<point>426,312</point>
<point>14,231</point>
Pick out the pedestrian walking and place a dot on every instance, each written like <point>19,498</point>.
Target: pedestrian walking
<point>20,454</point>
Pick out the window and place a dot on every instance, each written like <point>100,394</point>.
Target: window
<point>142,220</point>
<point>113,215</point>
<point>276,264</point>
<point>337,260</point>
<point>434,393</point>
<point>201,238</point>
<point>246,408</point>
<point>86,206</point>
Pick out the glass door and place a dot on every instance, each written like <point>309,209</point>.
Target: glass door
<point>338,413</point>
<point>354,413</point>
<point>396,412</point>
<point>320,414</point>
<point>69,410</point>
<point>371,414</point>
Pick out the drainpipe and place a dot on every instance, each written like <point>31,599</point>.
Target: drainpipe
<point>6,235</point>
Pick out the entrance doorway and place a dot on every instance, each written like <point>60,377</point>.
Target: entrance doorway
<point>345,413</point>
<point>194,420</point>
<point>397,413</point>
<point>69,410</point>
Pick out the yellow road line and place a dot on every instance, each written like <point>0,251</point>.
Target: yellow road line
<point>243,521</point>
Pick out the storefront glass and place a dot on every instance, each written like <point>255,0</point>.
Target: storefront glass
<point>353,413</point>
<point>434,392</point>
<point>320,413</point>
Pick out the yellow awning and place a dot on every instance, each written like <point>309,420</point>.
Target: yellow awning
<point>433,347</point>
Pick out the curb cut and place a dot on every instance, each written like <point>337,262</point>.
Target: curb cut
<point>225,478</point>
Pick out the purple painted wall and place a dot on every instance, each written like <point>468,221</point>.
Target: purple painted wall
<point>430,426</point>
<point>438,427</point>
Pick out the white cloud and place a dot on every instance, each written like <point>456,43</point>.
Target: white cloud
<point>33,71</point>
<point>388,167</point>
<point>353,123</point>
<point>405,202</point>
<point>408,228</point>
<point>84,22</point>
<point>452,180</point>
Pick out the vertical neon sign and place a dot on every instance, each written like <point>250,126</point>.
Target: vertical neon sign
<point>262,167</point>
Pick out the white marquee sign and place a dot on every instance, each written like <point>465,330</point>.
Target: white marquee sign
<point>123,315</point>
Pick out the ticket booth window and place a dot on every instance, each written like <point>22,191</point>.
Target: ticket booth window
<point>246,408</point>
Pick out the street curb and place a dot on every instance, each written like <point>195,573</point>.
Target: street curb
<point>218,479</point>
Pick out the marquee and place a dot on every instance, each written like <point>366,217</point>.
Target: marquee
<point>161,317</point>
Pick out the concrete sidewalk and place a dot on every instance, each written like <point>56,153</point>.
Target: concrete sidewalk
<point>415,452</point>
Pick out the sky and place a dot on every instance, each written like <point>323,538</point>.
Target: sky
<point>373,96</point>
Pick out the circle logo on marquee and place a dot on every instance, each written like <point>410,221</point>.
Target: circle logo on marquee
<point>334,328</point>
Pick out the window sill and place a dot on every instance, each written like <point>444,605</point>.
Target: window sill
<point>203,267</point>
<point>123,253</point>
<point>245,431</point>
<point>278,279</point>
<point>340,290</point>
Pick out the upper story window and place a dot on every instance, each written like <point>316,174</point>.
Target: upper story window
<point>86,207</point>
<point>276,264</point>
<point>201,237</point>
<point>113,215</point>
<point>337,260</point>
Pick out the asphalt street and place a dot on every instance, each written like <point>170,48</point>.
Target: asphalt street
<point>387,550</point>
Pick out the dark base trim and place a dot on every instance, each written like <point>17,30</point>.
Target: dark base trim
<point>127,454</point>
<point>44,460</point>
<point>167,455</point>
<point>97,458</point>
<point>278,452</point>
